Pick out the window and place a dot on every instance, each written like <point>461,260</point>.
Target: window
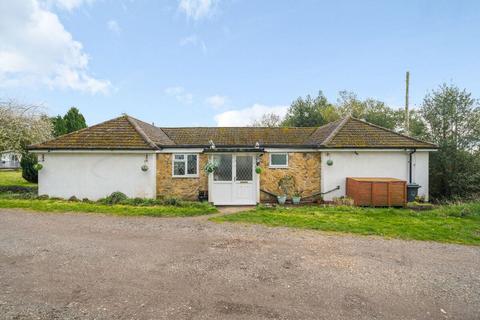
<point>278,160</point>
<point>185,165</point>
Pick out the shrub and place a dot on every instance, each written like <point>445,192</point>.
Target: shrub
<point>171,201</point>
<point>73,198</point>
<point>18,189</point>
<point>28,171</point>
<point>115,198</point>
<point>43,197</point>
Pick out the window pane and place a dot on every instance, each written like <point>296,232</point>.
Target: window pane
<point>179,157</point>
<point>224,169</point>
<point>278,159</point>
<point>179,168</point>
<point>244,168</point>
<point>192,164</point>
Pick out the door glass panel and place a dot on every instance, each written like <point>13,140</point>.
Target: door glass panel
<point>224,169</point>
<point>244,168</point>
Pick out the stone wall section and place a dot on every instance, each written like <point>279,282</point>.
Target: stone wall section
<point>182,188</point>
<point>304,167</point>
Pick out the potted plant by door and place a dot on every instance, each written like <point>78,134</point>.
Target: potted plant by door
<point>286,185</point>
<point>297,196</point>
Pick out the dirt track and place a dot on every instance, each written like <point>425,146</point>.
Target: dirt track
<point>79,266</point>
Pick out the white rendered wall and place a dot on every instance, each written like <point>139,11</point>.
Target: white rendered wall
<point>96,175</point>
<point>378,164</point>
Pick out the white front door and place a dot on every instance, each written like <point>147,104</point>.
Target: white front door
<point>234,180</point>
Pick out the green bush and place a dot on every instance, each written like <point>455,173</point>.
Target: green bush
<point>27,163</point>
<point>171,202</point>
<point>115,198</point>
<point>18,189</point>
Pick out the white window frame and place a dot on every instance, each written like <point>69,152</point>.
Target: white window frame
<point>185,160</point>
<point>277,166</point>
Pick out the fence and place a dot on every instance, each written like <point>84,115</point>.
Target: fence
<point>9,164</point>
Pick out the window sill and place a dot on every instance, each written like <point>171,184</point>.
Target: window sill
<point>186,177</point>
<point>278,167</point>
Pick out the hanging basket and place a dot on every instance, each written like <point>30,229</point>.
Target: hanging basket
<point>329,162</point>
<point>144,168</point>
<point>258,170</point>
<point>210,167</point>
<point>38,166</point>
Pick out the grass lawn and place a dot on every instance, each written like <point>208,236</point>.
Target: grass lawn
<point>191,209</point>
<point>17,200</point>
<point>452,224</point>
<point>14,178</point>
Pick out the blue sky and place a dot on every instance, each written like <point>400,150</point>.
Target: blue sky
<point>224,62</point>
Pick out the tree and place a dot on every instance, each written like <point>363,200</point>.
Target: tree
<point>22,125</point>
<point>370,110</point>
<point>267,120</point>
<point>59,127</point>
<point>74,120</point>
<point>452,117</point>
<point>27,163</point>
<point>310,112</point>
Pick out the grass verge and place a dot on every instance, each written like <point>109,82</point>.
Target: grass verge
<point>186,210</point>
<point>459,223</point>
<point>14,178</point>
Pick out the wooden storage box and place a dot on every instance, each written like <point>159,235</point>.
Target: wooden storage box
<point>377,192</point>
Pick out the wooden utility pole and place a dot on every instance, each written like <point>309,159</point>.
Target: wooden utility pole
<point>407,116</point>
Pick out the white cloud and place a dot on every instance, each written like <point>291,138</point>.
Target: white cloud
<point>180,94</point>
<point>36,49</point>
<point>113,26</point>
<point>197,9</point>
<point>216,101</point>
<point>193,40</point>
<point>68,4</point>
<point>243,117</point>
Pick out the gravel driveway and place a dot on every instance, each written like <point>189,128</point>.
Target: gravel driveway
<point>79,266</point>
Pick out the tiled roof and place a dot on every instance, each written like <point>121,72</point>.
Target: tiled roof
<point>118,133</point>
<point>127,133</point>
<point>239,136</point>
<point>355,133</point>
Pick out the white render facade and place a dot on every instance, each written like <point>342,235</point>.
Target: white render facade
<point>95,175</point>
<point>375,164</point>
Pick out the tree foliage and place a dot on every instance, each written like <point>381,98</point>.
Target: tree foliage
<point>452,119</point>
<point>72,121</point>
<point>22,125</point>
<point>27,163</point>
<point>310,112</point>
<point>267,120</point>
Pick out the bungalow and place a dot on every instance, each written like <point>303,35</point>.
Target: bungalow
<point>142,160</point>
